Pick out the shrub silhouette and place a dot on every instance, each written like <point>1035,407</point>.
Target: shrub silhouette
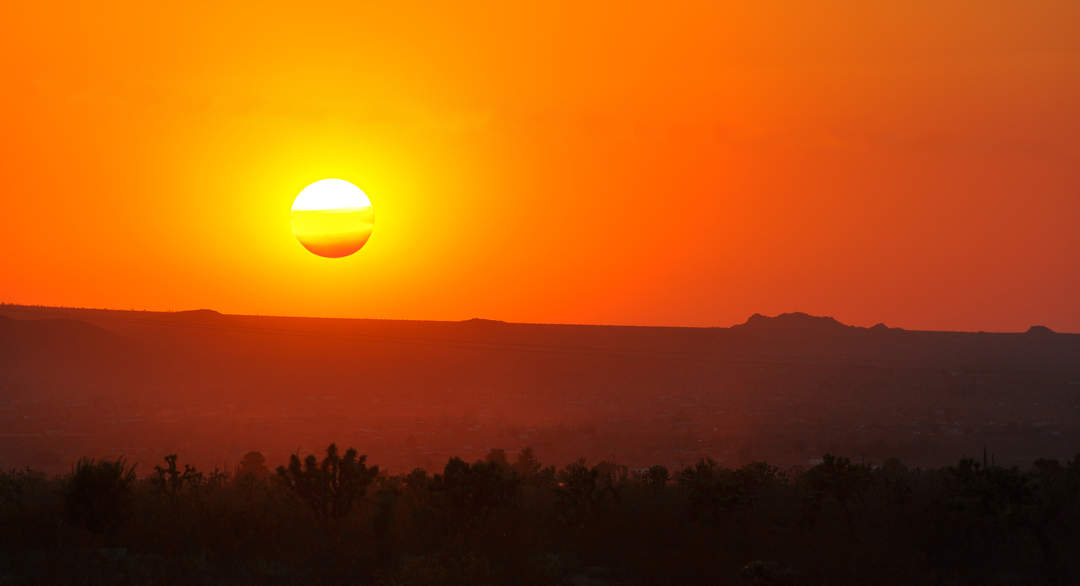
<point>655,478</point>
<point>767,573</point>
<point>331,487</point>
<point>171,481</point>
<point>15,484</point>
<point>98,495</point>
<point>484,523</point>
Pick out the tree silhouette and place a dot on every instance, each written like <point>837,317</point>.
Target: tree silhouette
<point>701,483</point>
<point>582,490</point>
<point>839,480</point>
<point>251,472</point>
<point>331,487</point>
<point>526,464</point>
<point>478,488</point>
<point>531,472</point>
<point>254,465</point>
<point>497,456</point>
<point>171,481</point>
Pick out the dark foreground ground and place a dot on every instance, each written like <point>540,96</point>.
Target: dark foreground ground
<point>510,520</point>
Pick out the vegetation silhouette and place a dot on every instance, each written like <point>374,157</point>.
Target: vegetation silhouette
<point>331,487</point>
<point>507,519</point>
<point>98,495</point>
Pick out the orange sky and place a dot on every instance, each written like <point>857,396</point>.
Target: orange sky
<point>685,164</point>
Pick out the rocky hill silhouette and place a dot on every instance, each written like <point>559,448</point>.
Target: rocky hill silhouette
<point>793,323</point>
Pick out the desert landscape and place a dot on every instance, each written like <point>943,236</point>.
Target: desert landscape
<point>784,389</point>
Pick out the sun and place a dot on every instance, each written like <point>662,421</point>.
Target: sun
<point>332,218</point>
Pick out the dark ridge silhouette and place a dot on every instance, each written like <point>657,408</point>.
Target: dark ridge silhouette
<point>792,323</point>
<point>198,313</point>
<point>1039,331</point>
<point>482,321</point>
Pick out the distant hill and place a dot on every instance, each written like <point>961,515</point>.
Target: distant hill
<point>797,323</point>
<point>784,389</point>
<point>19,337</point>
<point>198,313</point>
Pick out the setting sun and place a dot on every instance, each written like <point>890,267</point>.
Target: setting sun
<point>332,218</point>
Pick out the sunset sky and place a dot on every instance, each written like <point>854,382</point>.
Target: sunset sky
<point>916,163</point>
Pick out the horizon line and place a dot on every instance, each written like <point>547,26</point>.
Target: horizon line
<point>529,323</point>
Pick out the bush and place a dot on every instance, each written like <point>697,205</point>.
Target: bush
<point>98,495</point>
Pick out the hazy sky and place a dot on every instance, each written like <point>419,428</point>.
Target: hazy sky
<point>916,163</point>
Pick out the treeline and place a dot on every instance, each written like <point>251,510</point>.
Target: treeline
<point>336,519</point>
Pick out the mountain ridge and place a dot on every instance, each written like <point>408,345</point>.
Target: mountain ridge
<point>794,321</point>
